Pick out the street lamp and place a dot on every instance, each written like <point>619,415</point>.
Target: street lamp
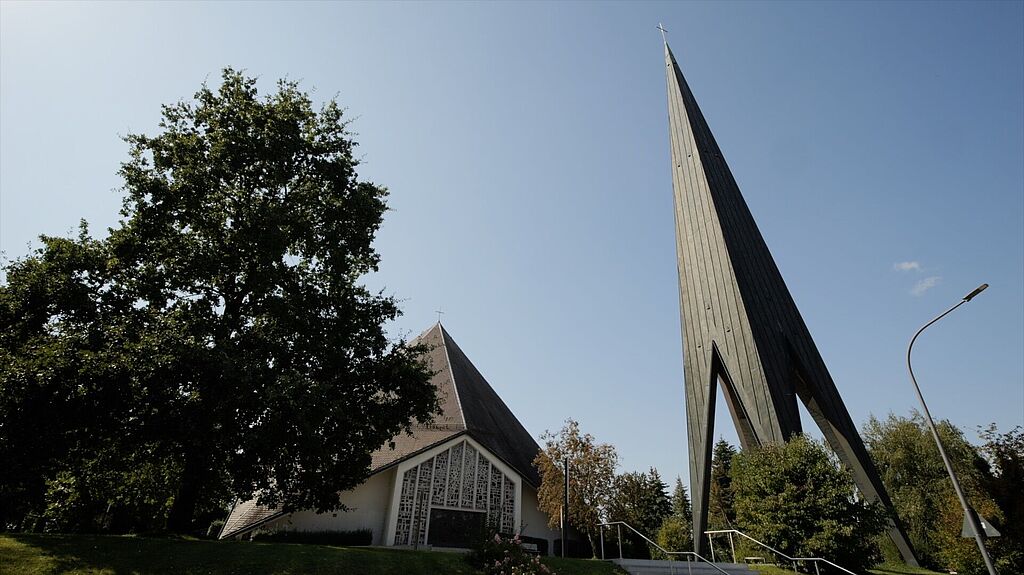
<point>565,509</point>
<point>971,517</point>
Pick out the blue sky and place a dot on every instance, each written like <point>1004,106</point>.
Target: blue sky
<point>526,150</point>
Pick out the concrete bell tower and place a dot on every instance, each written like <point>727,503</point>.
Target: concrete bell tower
<point>741,328</point>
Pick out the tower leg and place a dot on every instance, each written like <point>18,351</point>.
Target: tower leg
<point>700,431</point>
<point>839,431</point>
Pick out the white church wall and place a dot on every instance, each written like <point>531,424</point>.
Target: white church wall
<point>367,505</point>
<point>459,475</point>
<point>535,521</point>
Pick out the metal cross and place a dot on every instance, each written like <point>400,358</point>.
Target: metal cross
<point>439,313</point>
<point>663,30</point>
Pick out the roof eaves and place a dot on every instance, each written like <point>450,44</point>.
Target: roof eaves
<point>503,460</point>
<point>247,528</point>
<point>423,449</point>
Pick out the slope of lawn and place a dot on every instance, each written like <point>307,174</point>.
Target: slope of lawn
<point>902,569</point>
<point>886,569</point>
<point>110,555</point>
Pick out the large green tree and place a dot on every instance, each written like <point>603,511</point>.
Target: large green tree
<point>641,500</point>
<point>222,325</point>
<point>62,373</point>
<point>915,477</point>
<point>799,498</point>
<point>1005,484</point>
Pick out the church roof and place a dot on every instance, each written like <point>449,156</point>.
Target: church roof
<point>485,416</point>
<point>468,405</point>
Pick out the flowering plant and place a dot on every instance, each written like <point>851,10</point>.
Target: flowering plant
<point>499,555</point>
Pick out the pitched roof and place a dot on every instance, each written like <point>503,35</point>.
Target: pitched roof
<point>486,417</point>
<point>468,405</point>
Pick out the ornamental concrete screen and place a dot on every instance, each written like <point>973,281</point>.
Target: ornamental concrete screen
<point>741,328</point>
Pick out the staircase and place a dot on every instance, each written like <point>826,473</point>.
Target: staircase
<point>686,562</point>
<point>655,567</point>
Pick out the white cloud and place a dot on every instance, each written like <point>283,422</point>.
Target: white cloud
<point>925,285</point>
<point>906,266</point>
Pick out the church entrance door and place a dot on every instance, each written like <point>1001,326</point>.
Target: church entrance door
<point>455,528</point>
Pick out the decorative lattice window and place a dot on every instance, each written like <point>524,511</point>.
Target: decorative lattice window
<point>483,473</point>
<point>459,477</point>
<point>508,506</point>
<point>454,475</point>
<point>426,475</point>
<point>440,472</point>
<point>494,501</point>
<point>405,507</point>
<point>468,477</point>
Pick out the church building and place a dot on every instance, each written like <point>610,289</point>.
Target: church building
<point>471,468</point>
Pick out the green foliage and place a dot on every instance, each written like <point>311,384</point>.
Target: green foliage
<point>676,530</point>
<point>799,498</point>
<point>641,500</point>
<point>59,368</point>
<point>113,492</point>
<point>591,478</point>
<point>498,555</point>
<point>222,325</point>
<point>1005,484</point>
<point>915,477</point>
<point>681,507</point>
<point>721,512</point>
<point>675,535</point>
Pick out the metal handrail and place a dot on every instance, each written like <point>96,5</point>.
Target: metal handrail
<point>660,548</point>
<point>793,560</point>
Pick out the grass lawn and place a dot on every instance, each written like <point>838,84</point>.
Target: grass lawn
<point>902,569</point>
<point>887,569</point>
<point>111,555</point>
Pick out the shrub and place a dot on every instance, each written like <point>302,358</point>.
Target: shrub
<point>497,555</point>
<point>674,535</point>
<point>801,500</point>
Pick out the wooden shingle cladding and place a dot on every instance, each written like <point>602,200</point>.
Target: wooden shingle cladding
<point>741,328</point>
<point>468,406</point>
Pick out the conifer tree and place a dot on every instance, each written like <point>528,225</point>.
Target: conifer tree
<point>681,507</point>
<point>721,513</point>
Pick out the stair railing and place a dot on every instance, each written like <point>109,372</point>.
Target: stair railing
<point>793,560</point>
<point>690,555</point>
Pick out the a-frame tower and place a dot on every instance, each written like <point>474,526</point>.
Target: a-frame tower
<point>741,328</point>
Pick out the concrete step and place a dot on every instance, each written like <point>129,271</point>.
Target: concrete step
<point>656,567</point>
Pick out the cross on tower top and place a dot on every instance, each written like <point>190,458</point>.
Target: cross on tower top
<point>663,30</point>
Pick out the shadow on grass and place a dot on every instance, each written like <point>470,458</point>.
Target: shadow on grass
<point>111,555</point>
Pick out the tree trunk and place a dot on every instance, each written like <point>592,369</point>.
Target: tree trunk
<point>183,510</point>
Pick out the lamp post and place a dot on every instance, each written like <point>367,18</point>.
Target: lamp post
<point>972,518</point>
<point>565,509</point>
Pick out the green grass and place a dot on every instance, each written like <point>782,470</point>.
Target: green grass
<point>771,570</point>
<point>887,569</point>
<point>110,555</point>
<point>902,569</point>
